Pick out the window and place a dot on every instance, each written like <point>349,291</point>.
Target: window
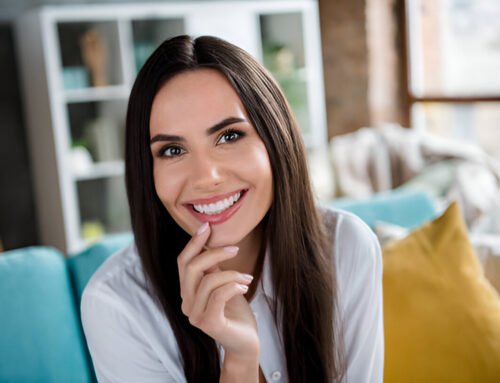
<point>453,49</point>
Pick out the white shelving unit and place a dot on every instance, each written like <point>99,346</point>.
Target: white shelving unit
<point>76,113</point>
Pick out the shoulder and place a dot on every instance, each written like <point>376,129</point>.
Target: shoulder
<point>358,268</point>
<point>348,232</point>
<point>118,288</point>
<point>119,279</point>
<point>355,248</point>
<point>123,321</point>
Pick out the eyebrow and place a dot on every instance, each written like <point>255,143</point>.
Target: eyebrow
<point>209,131</point>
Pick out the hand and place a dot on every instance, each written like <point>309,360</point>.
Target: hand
<point>213,299</point>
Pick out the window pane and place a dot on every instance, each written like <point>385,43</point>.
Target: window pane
<point>474,122</point>
<point>454,47</point>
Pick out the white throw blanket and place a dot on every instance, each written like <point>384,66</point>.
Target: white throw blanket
<point>381,158</point>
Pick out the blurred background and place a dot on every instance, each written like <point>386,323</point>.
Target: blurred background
<point>384,91</point>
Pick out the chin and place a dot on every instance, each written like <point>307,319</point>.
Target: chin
<point>219,238</point>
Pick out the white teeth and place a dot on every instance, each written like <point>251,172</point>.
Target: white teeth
<point>219,206</point>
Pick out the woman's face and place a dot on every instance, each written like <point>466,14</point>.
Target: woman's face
<point>209,163</point>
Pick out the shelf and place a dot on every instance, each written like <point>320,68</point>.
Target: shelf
<point>76,103</point>
<point>101,170</point>
<point>96,94</point>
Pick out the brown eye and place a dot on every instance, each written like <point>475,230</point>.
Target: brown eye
<point>172,151</point>
<point>229,136</point>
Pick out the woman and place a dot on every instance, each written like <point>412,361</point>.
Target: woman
<point>234,275</point>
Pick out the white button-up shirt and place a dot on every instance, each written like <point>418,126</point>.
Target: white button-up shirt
<point>130,339</point>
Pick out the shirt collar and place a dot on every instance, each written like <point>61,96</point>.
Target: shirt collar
<point>266,283</point>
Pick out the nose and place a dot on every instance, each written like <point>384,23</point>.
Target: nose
<point>207,173</point>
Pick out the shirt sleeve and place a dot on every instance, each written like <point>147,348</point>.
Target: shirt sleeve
<point>359,275</point>
<point>120,352</point>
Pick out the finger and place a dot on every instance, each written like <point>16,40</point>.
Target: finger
<point>213,317</point>
<point>194,246</point>
<point>196,269</point>
<point>210,283</point>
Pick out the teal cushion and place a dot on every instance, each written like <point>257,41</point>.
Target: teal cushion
<point>40,339</point>
<point>82,265</point>
<point>408,209</point>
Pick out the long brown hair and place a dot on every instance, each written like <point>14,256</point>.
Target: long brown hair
<point>302,270</point>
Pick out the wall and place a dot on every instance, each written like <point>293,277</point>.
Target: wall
<point>17,211</point>
<point>363,63</point>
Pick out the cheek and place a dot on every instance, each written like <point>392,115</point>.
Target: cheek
<point>167,186</point>
<point>254,163</point>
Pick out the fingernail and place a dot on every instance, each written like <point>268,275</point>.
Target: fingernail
<point>231,249</point>
<point>202,228</point>
<point>247,277</point>
<point>243,287</point>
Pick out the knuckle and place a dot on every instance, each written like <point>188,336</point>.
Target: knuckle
<point>208,280</point>
<point>185,308</point>
<point>194,320</point>
<point>180,261</point>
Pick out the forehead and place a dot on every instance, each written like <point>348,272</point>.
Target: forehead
<point>194,99</point>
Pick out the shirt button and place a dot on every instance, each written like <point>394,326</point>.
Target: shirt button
<point>276,375</point>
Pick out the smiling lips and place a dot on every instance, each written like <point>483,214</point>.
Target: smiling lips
<point>218,209</point>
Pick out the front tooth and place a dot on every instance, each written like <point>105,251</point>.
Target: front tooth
<point>218,206</point>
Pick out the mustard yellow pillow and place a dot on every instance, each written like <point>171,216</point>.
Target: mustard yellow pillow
<point>441,315</point>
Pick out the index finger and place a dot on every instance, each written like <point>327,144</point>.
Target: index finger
<point>194,246</point>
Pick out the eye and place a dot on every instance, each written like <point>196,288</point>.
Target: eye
<point>229,136</point>
<point>171,151</point>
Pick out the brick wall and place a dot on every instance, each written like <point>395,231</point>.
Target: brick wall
<point>363,63</point>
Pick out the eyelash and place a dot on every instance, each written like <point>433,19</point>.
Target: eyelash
<point>239,134</point>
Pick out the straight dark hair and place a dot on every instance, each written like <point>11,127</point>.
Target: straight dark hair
<point>301,261</point>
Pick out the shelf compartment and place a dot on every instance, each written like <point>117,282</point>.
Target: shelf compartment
<point>99,170</point>
<point>99,129</point>
<point>97,94</point>
<point>148,34</point>
<point>103,207</point>
<point>90,54</point>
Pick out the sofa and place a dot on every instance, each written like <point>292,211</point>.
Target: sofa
<point>41,338</point>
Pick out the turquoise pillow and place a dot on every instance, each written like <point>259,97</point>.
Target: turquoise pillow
<point>40,336</point>
<point>408,209</point>
<point>82,265</point>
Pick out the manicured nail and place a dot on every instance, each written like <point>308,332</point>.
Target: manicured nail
<point>202,228</point>
<point>247,277</point>
<point>243,287</point>
<point>231,249</point>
